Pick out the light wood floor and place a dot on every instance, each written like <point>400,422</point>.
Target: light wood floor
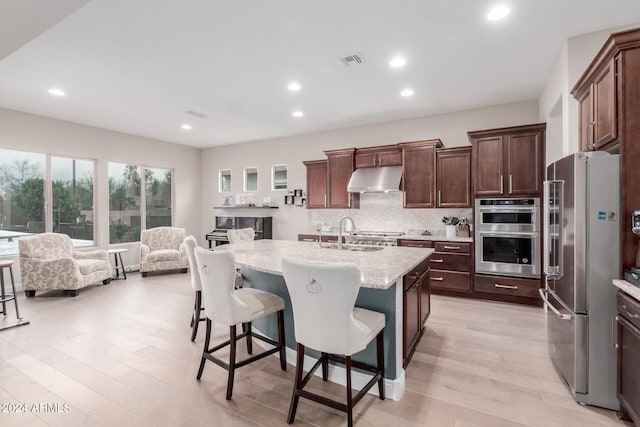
<point>120,355</point>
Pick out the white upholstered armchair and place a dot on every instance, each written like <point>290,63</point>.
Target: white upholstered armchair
<point>48,262</point>
<point>161,249</point>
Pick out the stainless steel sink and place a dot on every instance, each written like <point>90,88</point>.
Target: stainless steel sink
<point>354,248</point>
<point>360,248</point>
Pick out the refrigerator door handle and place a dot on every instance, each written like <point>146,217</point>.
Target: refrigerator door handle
<point>543,296</point>
<point>553,223</point>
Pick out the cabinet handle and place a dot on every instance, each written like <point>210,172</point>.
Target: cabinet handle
<point>629,314</point>
<point>325,200</point>
<point>497,285</point>
<point>501,184</point>
<point>452,247</point>
<point>332,241</point>
<point>437,279</point>
<point>439,197</point>
<point>348,200</point>
<point>309,240</point>
<point>510,184</point>
<point>437,260</point>
<point>414,245</point>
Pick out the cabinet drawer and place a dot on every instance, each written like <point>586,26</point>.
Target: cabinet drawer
<point>507,286</point>
<point>412,276</point>
<point>463,248</point>
<point>415,243</point>
<point>451,280</point>
<point>629,308</point>
<point>447,261</point>
<point>307,238</point>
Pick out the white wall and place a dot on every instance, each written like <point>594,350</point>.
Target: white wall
<point>27,132</point>
<point>289,221</point>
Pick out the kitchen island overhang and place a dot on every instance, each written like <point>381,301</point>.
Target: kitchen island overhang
<point>382,273</point>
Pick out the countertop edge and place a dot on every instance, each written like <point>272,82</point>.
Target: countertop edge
<point>632,290</point>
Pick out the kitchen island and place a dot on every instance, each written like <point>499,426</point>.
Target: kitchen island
<point>382,272</point>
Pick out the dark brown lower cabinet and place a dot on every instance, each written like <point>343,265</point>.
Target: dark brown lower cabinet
<point>629,357</point>
<point>416,305</point>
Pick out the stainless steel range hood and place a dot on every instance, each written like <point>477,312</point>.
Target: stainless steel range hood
<point>375,180</point>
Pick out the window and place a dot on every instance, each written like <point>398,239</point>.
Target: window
<point>129,185</point>
<point>72,197</point>
<point>125,189</point>
<point>224,181</point>
<point>279,177</point>
<point>22,196</point>
<point>158,197</point>
<point>250,179</point>
<point>26,191</point>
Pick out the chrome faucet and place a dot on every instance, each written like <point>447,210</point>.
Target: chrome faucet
<point>353,225</point>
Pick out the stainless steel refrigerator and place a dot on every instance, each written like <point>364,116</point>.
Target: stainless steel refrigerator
<point>582,256</point>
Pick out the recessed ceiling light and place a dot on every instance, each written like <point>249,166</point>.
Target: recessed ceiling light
<point>57,92</point>
<point>297,113</point>
<point>406,92</point>
<point>397,62</point>
<point>186,127</point>
<point>498,13</point>
<point>294,86</point>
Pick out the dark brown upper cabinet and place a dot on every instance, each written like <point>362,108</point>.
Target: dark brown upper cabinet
<point>371,157</point>
<point>419,172</point>
<point>611,87</point>
<point>508,162</point>
<point>340,166</point>
<point>598,117</point>
<point>453,177</point>
<point>316,183</point>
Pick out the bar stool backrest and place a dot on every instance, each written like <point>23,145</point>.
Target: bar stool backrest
<point>190,245</point>
<point>323,296</point>
<point>241,235</point>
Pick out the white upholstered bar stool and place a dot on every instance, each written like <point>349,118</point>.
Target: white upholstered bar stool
<point>323,296</point>
<point>190,246</point>
<point>225,304</point>
<point>241,235</point>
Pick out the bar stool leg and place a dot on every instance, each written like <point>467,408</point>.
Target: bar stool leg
<point>2,294</point>
<point>124,274</point>
<point>349,393</point>
<point>15,296</point>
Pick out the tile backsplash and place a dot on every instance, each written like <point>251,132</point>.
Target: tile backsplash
<point>384,212</point>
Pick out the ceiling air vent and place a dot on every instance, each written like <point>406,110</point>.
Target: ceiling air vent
<point>196,114</point>
<point>352,59</point>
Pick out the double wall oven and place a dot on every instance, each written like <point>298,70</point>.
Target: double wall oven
<point>508,237</point>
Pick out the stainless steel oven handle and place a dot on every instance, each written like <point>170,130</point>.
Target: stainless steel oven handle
<point>543,295</point>
<point>507,234</point>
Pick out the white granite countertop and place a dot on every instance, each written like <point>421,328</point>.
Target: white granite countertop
<point>629,288</point>
<point>380,269</point>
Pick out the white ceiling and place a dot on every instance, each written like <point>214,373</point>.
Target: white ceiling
<point>136,66</point>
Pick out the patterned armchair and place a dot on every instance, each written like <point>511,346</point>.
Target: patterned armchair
<point>161,248</point>
<point>48,261</point>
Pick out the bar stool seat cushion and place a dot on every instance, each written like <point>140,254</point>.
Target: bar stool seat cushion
<point>370,322</point>
<point>259,303</point>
